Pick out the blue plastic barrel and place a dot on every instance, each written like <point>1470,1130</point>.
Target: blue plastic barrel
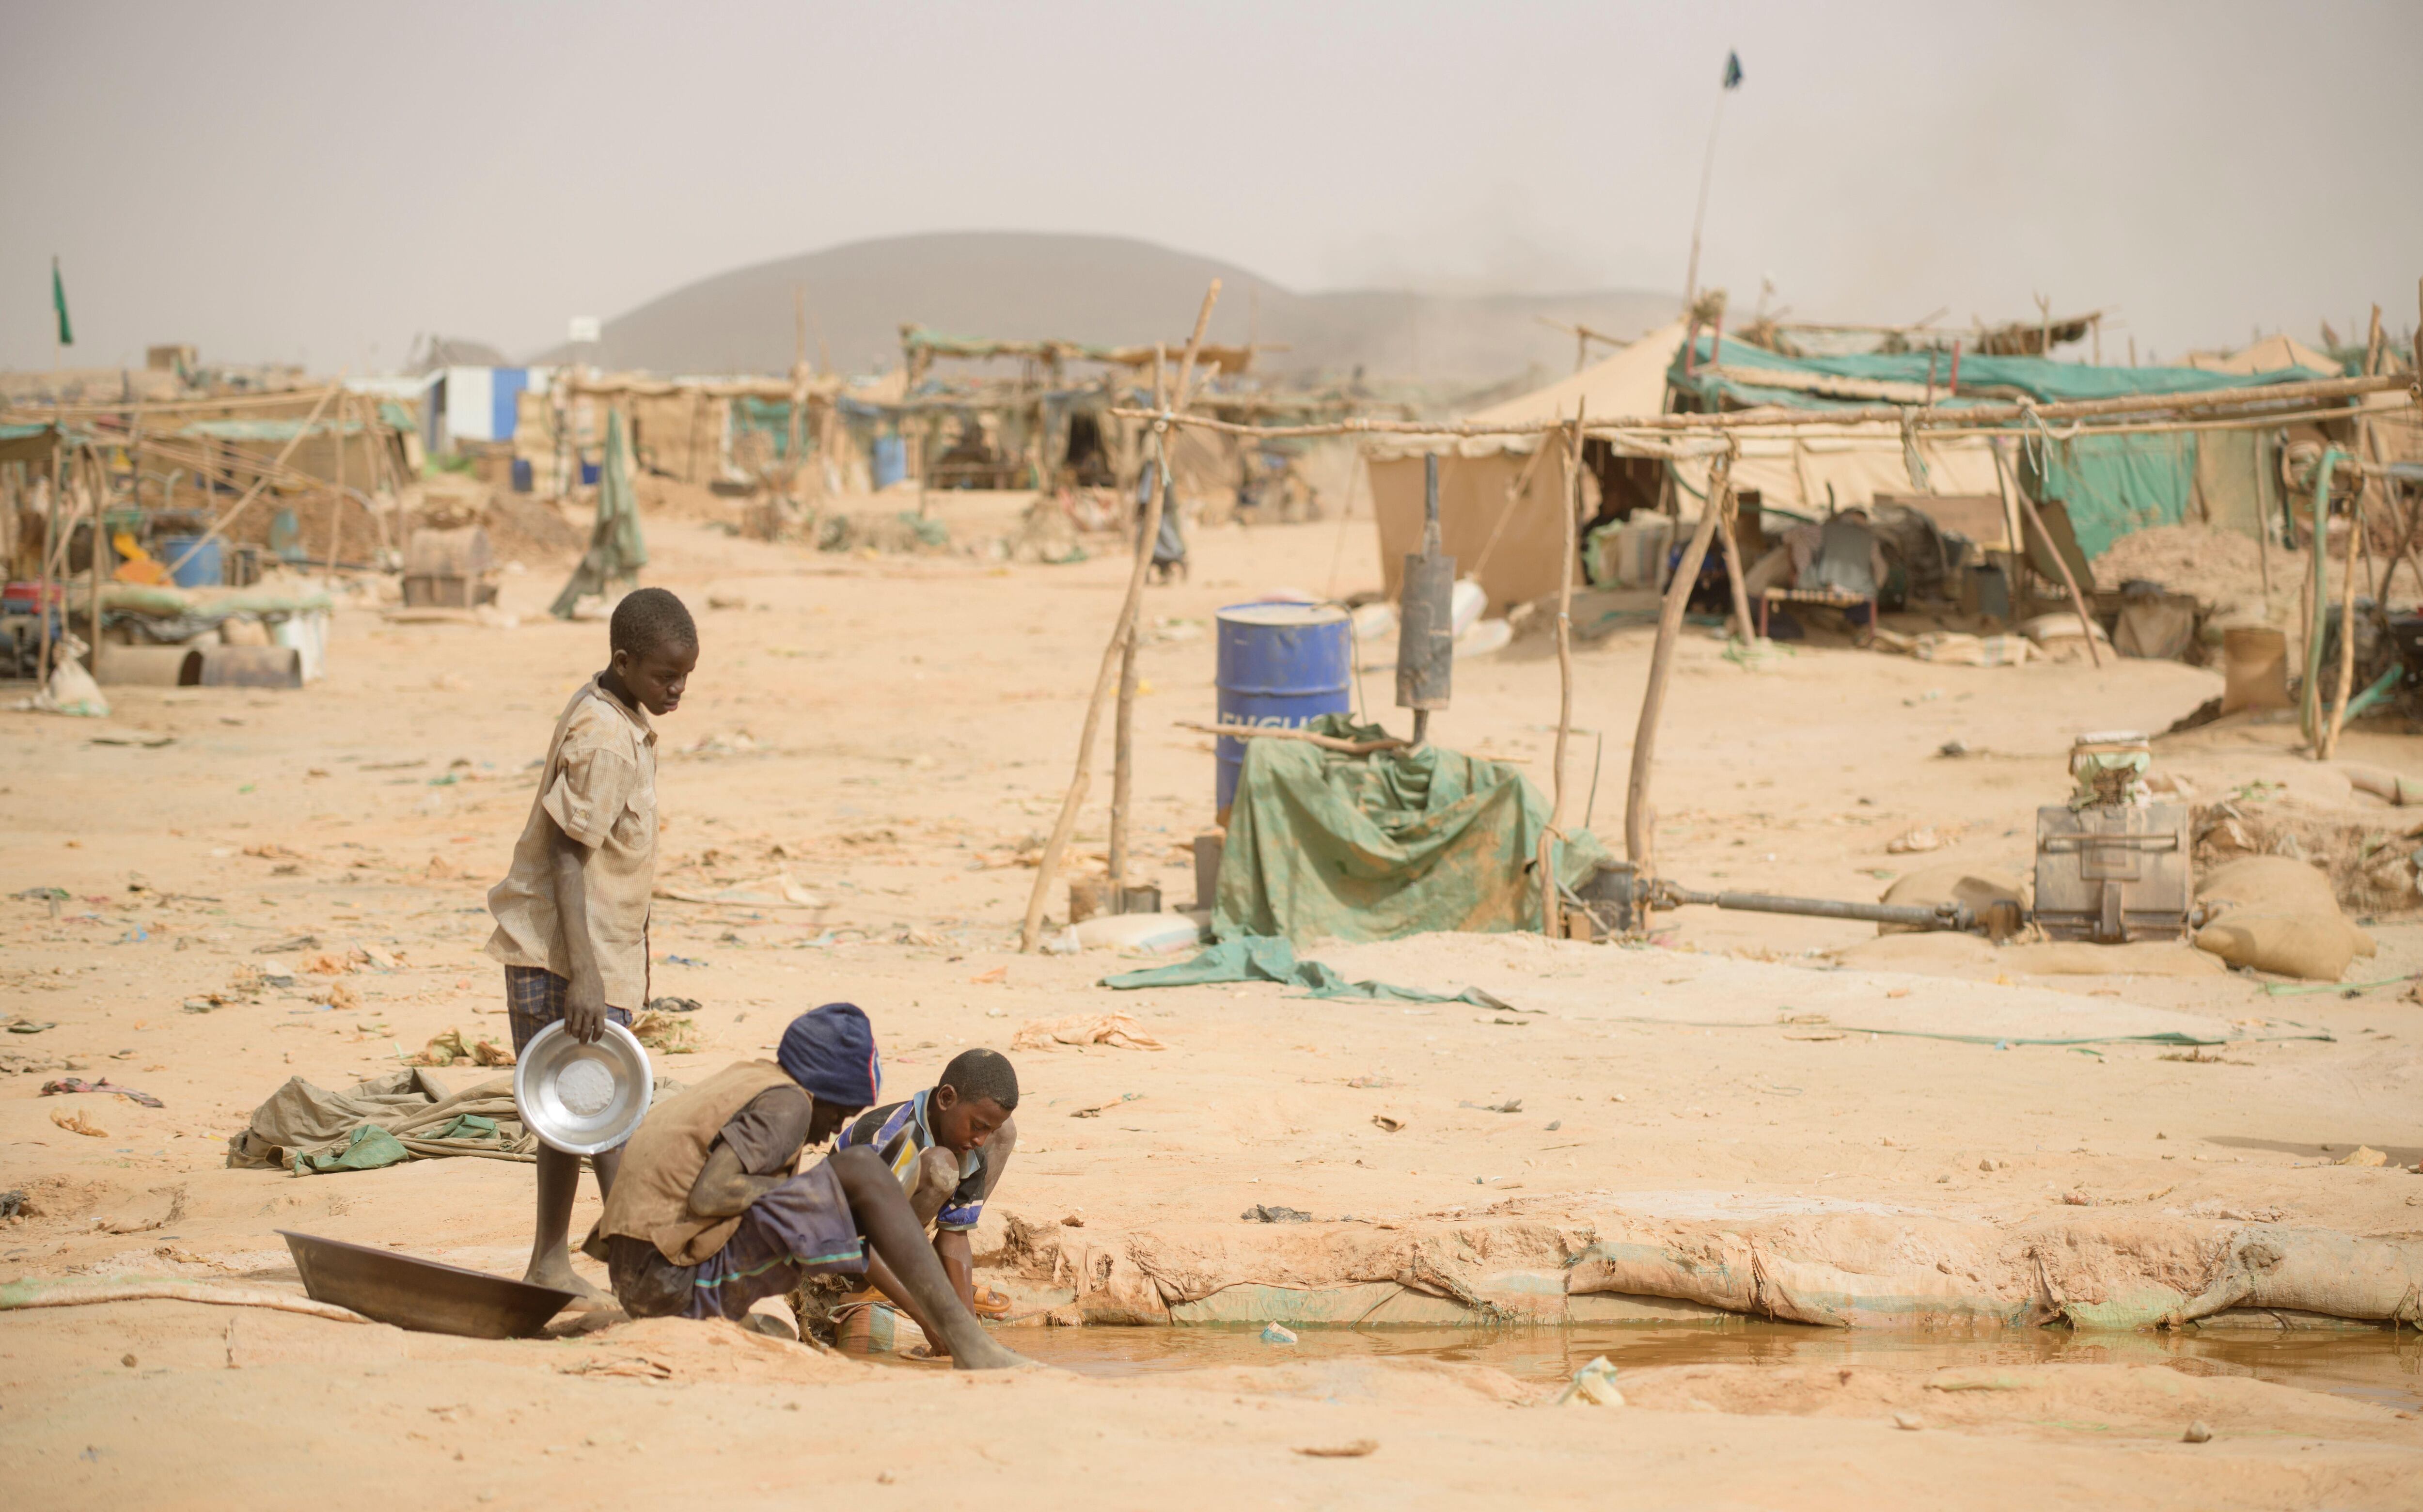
<point>525,476</point>
<point>204,569</point>
<point>1279,664</point>
<point>889,462</point>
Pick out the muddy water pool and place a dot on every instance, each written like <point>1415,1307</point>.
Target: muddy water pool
<point>2375,1365</point>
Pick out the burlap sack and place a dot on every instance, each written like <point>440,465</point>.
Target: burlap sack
<point>2279,914</point>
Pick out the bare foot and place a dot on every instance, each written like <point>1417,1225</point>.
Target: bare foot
<point>988,1355</point>
<point>556,1271</point>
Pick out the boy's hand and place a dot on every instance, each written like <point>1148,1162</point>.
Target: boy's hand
<point>584,1011</point>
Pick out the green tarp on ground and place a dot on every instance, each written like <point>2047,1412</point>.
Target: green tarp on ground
<point>1255,958</point>
<point>1325,845</point>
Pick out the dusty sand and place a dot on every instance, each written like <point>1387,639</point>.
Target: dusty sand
<point>886,732</point>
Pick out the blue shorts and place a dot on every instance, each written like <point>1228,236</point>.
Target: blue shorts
<point>801,1228</point>
<point>534,999</point>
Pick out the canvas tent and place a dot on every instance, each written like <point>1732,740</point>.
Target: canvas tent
<point>1477,476</point>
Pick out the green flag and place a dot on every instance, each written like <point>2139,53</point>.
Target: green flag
<point>1732,70</point>
<point>59,303</point>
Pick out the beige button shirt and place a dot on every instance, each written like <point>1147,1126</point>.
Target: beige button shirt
<point>599,787</point>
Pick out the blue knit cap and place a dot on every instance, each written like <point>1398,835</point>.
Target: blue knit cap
<point>830,1052</point>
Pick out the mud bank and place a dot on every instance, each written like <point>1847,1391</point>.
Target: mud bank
<point>1859,1264</point>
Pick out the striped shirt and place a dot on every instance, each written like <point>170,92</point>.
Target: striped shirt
<point>899,1135</point>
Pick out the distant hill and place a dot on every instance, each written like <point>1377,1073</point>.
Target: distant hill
<point>1110,290</point>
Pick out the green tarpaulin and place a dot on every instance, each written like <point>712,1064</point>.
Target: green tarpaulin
<point>1255,958</point>
<point>616,552</point>
<point>1325,845</point>
<point>1728,377</point>
<point>2111,484</point>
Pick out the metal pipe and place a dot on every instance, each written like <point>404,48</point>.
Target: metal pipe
<point>1938,916</point>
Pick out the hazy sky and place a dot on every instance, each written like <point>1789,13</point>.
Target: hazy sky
<point>321,183</point>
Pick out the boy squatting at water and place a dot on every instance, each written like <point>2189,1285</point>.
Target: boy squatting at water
<point>572,914</point>
<point>710,1212</point>
<point>949,1146</point>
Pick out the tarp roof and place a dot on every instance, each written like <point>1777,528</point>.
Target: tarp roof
<point>1632,382</point>
<point>2269,355</point>
<point>1742,375</point>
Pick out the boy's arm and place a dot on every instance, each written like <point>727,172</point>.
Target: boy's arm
<point>584,1004</point>
<point>954,1247</point>
<point>724,1190</point>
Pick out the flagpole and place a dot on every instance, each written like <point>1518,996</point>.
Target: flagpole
<point>1707,170</point>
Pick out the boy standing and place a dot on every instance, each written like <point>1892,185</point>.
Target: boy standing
<point>572,914</point>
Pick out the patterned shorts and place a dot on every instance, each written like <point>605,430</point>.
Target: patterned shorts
<point>801,1228</point>
<point>534,999</point>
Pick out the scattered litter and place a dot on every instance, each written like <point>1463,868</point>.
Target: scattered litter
<point>664,1031</point>
<point>1388,1125</point>
<point>2198,1432</point>
<point>997,973</point>
<point>296,941</point>
<point>72,1084</point>
<point>1908,1422</point>
<point>638,1367</point>
<point>19,1024</point>
<point>78,1123</point>
<point>681,961</point>
<point>1277,1333</point>
<point>1924,837</point>
<point>1593,1385</point>
<point>1098,1109</point>
<point>447,1048</point>
<point>1511,1104</point>
<point>150,742</point>
<point>1115,1029</point>
<point>1260,1213</point>
<point>1355,1450</point>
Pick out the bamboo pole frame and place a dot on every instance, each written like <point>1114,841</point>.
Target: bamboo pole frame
<point>1030,932</point>
<point>1637,838</point>
<point>1924,417</point>
<point>1551,923</point>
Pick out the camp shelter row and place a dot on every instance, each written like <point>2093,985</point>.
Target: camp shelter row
<point>1501,498</point>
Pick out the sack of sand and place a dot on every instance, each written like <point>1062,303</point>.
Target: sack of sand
<point>2279,914</point>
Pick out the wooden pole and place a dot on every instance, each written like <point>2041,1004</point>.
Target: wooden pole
<point>1551,923</point>
<point>1637,847</point>
<point>1734,577</point>
<point>2330,741</point>
<point>97,485</point>
<point>337,505</point>
<point>1030,932</point>
<point>1968,419</point>
<point>2068,580</point>
<point>51,543</point>
<point>227,520</point>
<point>1284,732</point>
<point>1123,721</point>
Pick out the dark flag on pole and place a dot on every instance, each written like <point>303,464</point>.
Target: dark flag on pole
<point>59,303</point>
<point>1732,70</point>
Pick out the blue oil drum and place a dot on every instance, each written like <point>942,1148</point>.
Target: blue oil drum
<point>1279,664</point>
<point>205,567</point>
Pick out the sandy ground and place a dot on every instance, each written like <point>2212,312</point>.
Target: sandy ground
<point>885,732</point>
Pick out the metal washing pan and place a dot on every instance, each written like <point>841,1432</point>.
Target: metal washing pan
<point>582,1099</point>
<point>421,1294</point>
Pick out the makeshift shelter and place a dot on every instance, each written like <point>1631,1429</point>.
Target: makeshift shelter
<point>2110,485</point>
<point>1509,489</point>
